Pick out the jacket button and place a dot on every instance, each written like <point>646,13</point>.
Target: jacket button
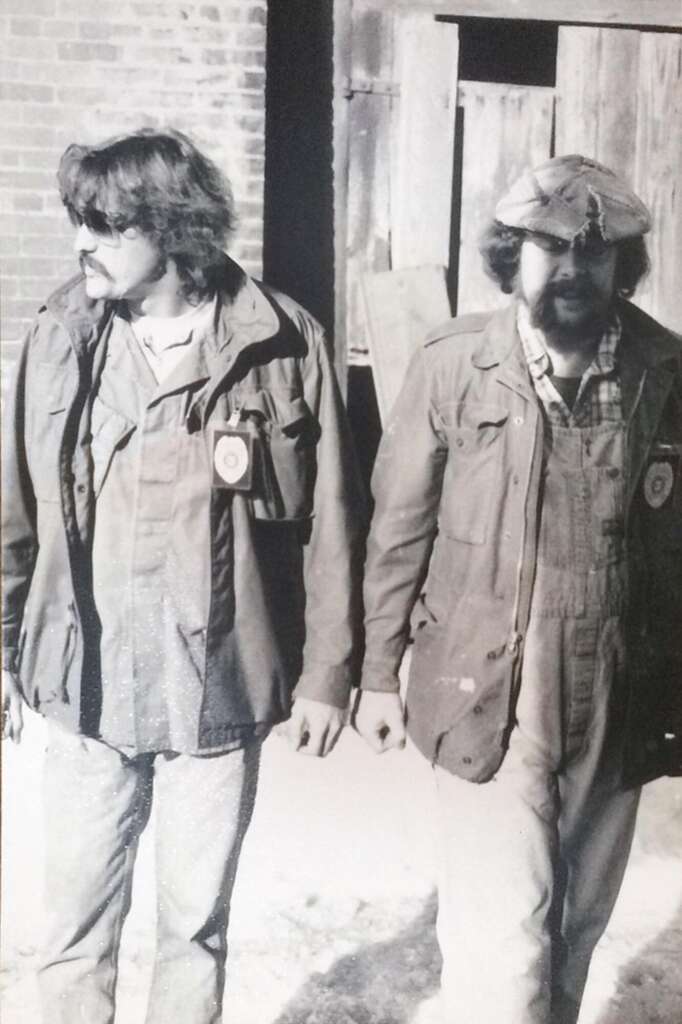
<point>466,760</point>
<point>478,710</point>
<point>81,488</point>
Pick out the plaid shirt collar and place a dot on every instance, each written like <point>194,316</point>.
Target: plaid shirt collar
<point>599,396</point>
<point>537,355</point>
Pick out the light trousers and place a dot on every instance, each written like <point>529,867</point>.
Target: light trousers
<point>97,803</point>
<point>532,861</point>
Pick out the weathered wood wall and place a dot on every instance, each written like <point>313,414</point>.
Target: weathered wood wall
<point>369,134</point>
<point>619,99</point>
<point>607,12</point>
<point>505,128</point>
<point>427,153</point>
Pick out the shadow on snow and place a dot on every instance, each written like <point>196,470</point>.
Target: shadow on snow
<point>381,983</point>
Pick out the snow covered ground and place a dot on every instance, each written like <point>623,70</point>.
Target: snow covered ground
<point>333,914</point>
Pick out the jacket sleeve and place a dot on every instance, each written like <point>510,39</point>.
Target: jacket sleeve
<point>19,530</point>
<point>406,485</point>
<point>333,552</point>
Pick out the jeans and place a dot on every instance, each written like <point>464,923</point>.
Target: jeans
<point>97,803</point>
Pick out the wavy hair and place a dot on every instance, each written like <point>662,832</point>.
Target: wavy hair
<point>500,247</point>
<point>161,184</point>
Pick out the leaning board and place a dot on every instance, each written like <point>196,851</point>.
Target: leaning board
<point>401,306</point>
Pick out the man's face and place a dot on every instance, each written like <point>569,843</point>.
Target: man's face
<point>118,264</point>
<point>568,287</point>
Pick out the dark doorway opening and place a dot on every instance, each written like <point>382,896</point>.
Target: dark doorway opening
<point>298,231</point>
<point>505,50</point>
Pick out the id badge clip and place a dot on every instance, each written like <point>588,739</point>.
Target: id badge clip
<point>232,448</point>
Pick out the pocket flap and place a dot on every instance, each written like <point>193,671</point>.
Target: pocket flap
<point>280,408</point>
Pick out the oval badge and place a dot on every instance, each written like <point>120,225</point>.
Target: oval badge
<point>231,458</point>
<point>658,483</point>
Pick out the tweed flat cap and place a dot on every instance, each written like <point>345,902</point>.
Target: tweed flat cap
<point>571,197</point>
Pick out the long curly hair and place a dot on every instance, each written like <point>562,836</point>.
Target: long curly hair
<point>500,247</point>
<point>161,184</point>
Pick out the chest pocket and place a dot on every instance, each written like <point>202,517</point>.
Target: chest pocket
<point>110,430</point>
<point>286,436</point>
<point>475,440</point>
<point>51,396</point>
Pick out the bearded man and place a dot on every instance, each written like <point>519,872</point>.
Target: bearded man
<point>529,509</point>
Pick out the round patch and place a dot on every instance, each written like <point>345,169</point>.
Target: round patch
<point>231,458</point>
<point>658,483</point>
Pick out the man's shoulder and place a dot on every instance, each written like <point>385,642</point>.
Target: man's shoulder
<point>303,320</point>
<point>659,343</point>
<point>460,327</point>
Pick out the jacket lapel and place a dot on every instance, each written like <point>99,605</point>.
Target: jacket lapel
<point>500,350</point>
<point>649,362</point>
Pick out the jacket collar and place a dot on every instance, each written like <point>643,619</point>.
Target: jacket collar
<point>649,346</point>
<point>500,350</point>
<point>652,343</point>
<point>244,316</point>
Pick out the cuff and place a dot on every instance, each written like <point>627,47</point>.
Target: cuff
<point>379,680</point>
<point>329,685</point>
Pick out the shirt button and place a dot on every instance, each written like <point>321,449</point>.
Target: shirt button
<point>478,710</point>
<point>81,488</point>
<point>460,442</point>
<point>518,420</point>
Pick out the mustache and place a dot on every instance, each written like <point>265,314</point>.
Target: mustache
<point>572,287</point>
<point>89,261</point>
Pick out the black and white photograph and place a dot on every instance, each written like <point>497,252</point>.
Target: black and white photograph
<point>341,364</point>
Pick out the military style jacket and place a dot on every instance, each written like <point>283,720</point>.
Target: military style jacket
<point>259,582</point>
<point>457,490</point>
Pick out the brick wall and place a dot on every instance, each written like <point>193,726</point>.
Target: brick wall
<point>82,70</point>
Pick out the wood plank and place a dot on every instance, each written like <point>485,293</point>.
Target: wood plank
<point>506,130</point>
<point>596,95</point>
<point>665,13</point>
<point>618,100</point>
<point>658,175</point>
<point>369,124</point>
<point>421,189</point>
<point>401,306</point>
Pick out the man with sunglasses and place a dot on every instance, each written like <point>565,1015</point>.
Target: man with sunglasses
<point>180,534</point>
<point>529,516</point>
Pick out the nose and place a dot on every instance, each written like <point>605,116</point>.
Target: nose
<point>84,241</point>
<point>571,261</point>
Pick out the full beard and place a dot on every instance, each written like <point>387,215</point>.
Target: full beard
<point>591,319</point>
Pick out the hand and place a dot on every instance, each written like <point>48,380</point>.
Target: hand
<point>12,714</point>
<point>380,719</point>
<point>314,727</point>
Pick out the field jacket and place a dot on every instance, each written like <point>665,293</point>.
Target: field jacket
<point>276,565</point>
<point>457,490</point>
